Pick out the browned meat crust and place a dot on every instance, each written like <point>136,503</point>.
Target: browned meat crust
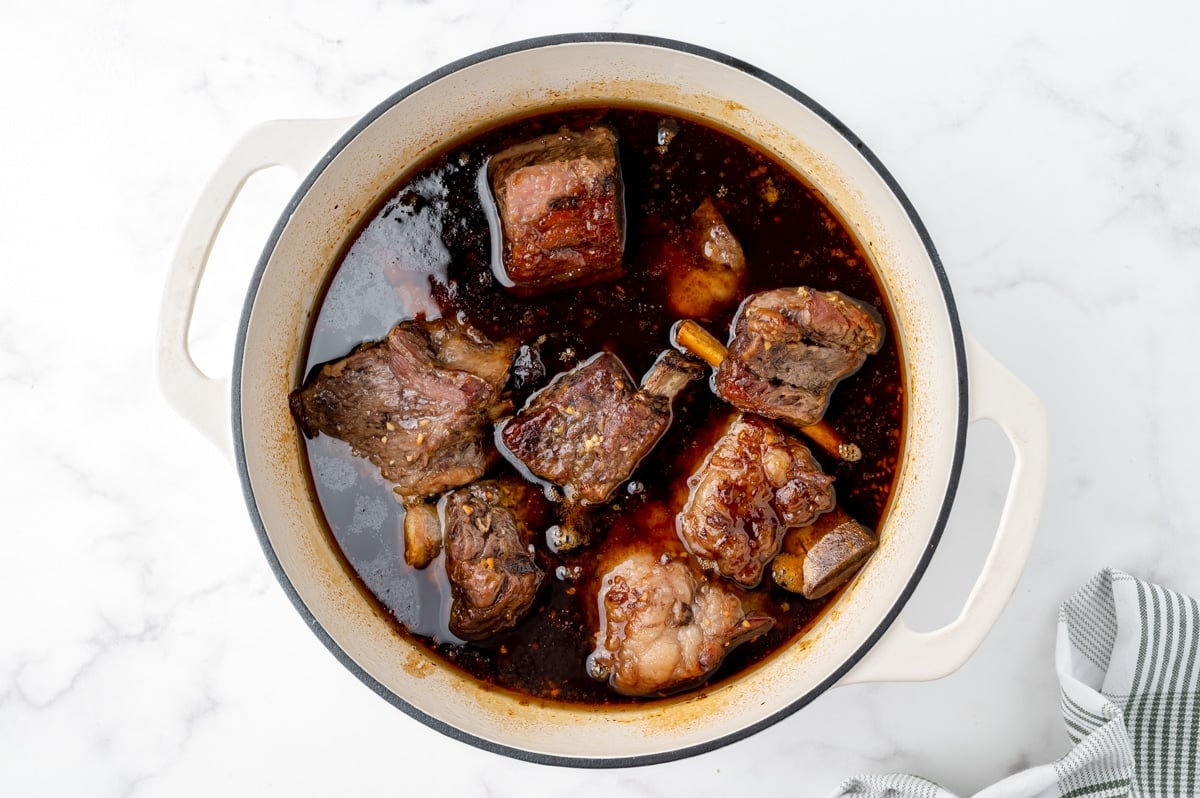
<point>416,405</point>
<point>494,579</point>
<point>662,628</point>
<point>560,202</point>
<point>756,483</point>
<point>588,429</point>
<point>790,347</point>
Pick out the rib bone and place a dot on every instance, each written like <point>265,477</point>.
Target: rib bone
<point>689,335</point>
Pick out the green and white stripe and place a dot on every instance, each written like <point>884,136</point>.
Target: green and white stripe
<point>1130,691</point>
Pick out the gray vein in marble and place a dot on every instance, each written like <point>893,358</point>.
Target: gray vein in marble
<point>1148,155</point>
<point>193,718</point>
<point>618,16</point>
<point>110,637</point>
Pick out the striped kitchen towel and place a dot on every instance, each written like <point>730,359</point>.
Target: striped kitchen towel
<point>1130,684</point>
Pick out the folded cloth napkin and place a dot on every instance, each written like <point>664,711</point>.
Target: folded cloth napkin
<point>1130,675</point>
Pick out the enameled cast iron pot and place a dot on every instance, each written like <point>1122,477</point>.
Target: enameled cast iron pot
<point>860,638</point>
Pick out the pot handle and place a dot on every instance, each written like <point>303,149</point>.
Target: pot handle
<point>905,655</point>
<point>203,401</point>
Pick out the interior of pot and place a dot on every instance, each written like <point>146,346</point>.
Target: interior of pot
<point>446,107</point>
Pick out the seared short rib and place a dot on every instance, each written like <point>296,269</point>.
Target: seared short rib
<point>416,405</point>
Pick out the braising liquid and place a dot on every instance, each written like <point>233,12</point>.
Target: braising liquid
<point>428,250</point>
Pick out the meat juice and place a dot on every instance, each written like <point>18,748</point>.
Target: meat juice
<point>428,250</point>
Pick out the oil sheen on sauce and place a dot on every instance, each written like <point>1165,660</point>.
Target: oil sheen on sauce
<point>428,250</point>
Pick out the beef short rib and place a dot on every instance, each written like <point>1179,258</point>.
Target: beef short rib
<point>416,404</point>
<point>561,208</point>
<point>756,483</point>
<point>790,347</point>
<point>494,578</point>
<point>589,428</point>
<point>821,557</point>
<point>662,627</point>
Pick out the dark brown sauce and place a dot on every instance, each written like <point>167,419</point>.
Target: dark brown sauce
<point>428,250</point>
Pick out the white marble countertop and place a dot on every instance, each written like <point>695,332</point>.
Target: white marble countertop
<point>1053,151</point>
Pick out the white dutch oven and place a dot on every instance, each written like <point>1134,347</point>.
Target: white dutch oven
<point>861,638</point>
